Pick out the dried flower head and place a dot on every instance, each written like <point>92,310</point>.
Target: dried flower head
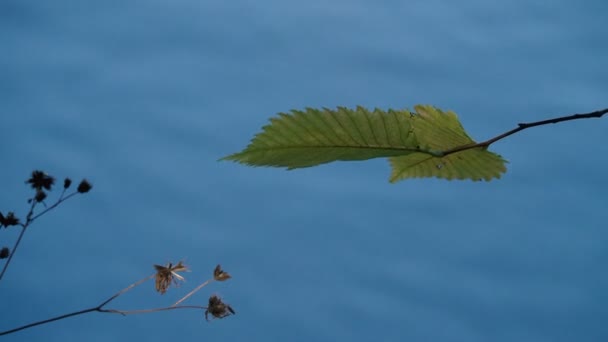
<point>40,195</point>
<point>66,183</point>
<point>84,186</point>
<point>217,308</point>
<point>165,275</point>
<point>8,220</point>
<point>219,274</point>
<point>40,180</point>
<point>4,252</point>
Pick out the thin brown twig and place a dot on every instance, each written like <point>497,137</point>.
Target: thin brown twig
<point>522,126</point>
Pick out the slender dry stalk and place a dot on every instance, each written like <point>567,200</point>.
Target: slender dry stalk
<point>192,292</point>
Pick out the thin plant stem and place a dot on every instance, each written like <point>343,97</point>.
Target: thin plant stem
<point>133,312</point>
<point>76,313</point>
<point>31,212</point>
<point>192,292</point>
<point>29,220</point>
<point>125,290</point>
<point>24,226</point>
<point>10,256</point>
<point>98,308</point>
<point>59,201</point>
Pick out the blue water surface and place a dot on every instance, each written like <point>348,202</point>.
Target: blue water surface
<point>143,97</point>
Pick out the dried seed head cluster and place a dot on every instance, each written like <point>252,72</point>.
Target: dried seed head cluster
<point>84,186</point>
<point>165,275</point>
<point>40,180</point>
<point>40,196</point>
<point>9,220</point>
<point>4,252</point>
<point>217,308</point>
<point>219,274</point>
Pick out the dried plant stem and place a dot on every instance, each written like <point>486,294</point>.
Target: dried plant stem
<point>133,312</point>
<point>29,220</point>
<point>10,256</point>
<point>98,308</point>
<point>126,289</point>
<point>49,320</point>
<point>192,292</point>
<point>59,201</point>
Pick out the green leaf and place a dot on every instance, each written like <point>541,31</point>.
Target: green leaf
<point>437,130</point>
<point>475,164</point>
<point>414,142</point>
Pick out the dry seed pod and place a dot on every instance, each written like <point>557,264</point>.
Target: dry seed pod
<point>165,275</point>
<point>219,274</point>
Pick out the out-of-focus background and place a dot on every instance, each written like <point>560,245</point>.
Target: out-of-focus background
<point>143,97</point>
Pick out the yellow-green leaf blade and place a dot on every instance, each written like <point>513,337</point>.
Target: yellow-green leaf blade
<point>415,142</point>
<point>438,130</point>
<point>474,164</point>
<point>312,137</point>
